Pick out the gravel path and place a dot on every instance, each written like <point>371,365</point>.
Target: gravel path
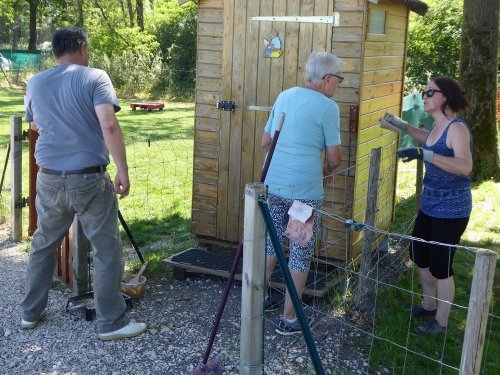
<point>179,315</point>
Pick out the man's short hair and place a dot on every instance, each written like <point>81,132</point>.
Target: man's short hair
<point>68,40</point>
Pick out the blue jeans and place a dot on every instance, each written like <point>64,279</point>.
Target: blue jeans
<point>92,198</point>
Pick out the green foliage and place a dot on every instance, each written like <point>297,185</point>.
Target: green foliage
<point>434,43</point>
<point>132,75</point>
<point>175,28</point>
<point>157,62</point>
<point>104,40</point>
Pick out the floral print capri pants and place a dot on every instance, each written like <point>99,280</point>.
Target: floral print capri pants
<point>300,256</point>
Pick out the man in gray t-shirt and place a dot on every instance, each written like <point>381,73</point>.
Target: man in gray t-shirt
<point>72,107</point>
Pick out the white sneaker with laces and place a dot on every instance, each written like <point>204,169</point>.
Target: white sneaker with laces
<point>130,330</point>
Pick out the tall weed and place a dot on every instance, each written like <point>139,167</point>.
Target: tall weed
<point>132,75</point>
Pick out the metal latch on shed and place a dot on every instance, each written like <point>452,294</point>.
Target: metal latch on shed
<point>226,105</point>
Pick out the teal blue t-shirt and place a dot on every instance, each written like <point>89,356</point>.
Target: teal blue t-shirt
<point>312,121</point>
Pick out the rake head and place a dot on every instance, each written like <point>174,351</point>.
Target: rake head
<point>212,367</point>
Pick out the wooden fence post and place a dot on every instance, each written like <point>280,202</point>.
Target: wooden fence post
<point>33,170</point>
<point>477,315</point>
<point>371,209</point>
<point>16,148</point>
<point>419,184</point>
<point>252,283</point>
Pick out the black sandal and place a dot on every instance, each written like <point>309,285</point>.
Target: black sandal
<point>431,328</point>
<point>418,311</point>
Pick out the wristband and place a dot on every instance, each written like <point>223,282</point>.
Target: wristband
<point>428,155</point>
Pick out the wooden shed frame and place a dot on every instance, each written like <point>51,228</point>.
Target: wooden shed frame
<point>236,86</point>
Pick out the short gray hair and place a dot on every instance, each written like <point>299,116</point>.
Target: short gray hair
<point>321,63</point>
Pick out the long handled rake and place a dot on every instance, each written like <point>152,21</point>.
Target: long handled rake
<point>131,238</point>
<point>213,365</point>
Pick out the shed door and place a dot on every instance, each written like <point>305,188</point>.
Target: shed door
<point>249,79</point>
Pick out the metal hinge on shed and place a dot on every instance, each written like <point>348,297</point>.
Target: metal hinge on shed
<point>21,137</point>
<point>24,202</point>
<point>226,105</point>
<point>333,19</point>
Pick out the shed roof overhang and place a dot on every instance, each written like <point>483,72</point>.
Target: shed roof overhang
<point>416,6</point>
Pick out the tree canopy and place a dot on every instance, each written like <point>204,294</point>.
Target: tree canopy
<point>127,36</point>
<point>434,43</point>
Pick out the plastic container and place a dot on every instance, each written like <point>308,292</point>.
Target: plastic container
<point>134,290</point>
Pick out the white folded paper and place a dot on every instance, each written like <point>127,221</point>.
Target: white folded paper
<point>300,211</point>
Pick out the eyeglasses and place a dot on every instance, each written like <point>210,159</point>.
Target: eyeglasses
<point>331,74</point>
<point>430,93</point>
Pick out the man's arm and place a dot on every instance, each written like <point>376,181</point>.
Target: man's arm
<point>114,141</point>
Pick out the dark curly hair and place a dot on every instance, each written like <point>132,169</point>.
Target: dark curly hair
<point>454,94</point>
<point>68,39</point>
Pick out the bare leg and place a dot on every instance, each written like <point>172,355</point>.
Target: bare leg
<point>270,264</point>
<point>429,287</point>
<point>445,294</point>
<point>299,280</point>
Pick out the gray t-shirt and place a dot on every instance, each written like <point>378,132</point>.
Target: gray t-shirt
<point>61,102</point>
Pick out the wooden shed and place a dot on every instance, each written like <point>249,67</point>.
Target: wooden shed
<point>237,82</point>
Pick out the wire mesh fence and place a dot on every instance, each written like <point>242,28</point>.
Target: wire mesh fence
<point>158,208</point>
<point>377,339</point>
<point>380,335</point>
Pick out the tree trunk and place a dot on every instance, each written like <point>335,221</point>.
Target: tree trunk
<point>16,34</point>
<point>130,12</point>
<point>478,74</point>
<point>122,7</point>
<point>32,38</point>
<point>80,14</point>
<point>140,14</point>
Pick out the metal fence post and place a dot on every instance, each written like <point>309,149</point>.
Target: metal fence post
<point>16,177</point>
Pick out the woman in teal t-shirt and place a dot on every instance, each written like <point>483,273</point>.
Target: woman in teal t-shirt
<point>312,124</point>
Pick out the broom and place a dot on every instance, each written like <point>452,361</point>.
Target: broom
<point>213,366</point>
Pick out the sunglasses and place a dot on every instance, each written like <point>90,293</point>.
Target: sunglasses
<point>430,93</point>
<point>336,76</point>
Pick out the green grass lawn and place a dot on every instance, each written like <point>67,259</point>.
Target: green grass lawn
<point>439,355</point>
<point>160,155</point>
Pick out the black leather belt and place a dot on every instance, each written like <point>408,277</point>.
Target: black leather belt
<point>96,169</point>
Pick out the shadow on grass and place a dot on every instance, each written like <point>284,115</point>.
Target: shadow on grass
<point>158,239</point>
<point>153,230</point>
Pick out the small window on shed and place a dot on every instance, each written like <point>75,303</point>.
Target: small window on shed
<point>376,24</point>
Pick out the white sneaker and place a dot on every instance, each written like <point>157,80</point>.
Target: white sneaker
<point>130,330</point>
<point>30,325</point>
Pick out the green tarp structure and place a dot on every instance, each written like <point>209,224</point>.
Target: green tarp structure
<point>413,112</point>
<point>22,60</point>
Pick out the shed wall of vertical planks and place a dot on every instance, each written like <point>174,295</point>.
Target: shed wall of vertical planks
<point>231,67</point>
